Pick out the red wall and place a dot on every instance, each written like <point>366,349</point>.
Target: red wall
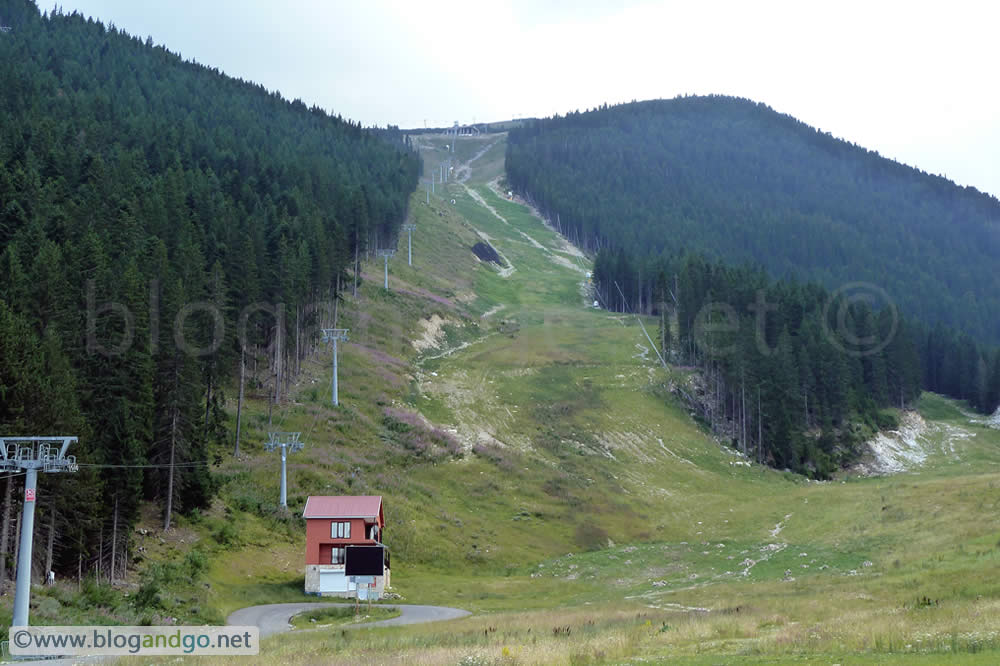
<point>318,541</point>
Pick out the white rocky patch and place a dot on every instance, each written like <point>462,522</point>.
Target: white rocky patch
<point>905,449</point>
<point>992,421</point>
<point>898,450</point>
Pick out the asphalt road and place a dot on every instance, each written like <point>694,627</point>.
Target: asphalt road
<point>274,618</point>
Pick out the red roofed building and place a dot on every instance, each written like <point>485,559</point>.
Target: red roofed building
<point>333,523</point>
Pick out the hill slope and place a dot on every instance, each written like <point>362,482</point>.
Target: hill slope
<point>585,515</point>
<point>589,516</point>
<point>738,181</point>
<point>146,205</point>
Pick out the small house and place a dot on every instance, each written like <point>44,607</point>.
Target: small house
<point>333,525</point>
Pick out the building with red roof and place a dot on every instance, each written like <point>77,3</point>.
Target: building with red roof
<point>334,524</point>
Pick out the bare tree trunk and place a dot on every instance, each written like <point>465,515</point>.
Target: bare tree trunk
<point>114,540</point>
<point>735,417</point>
<point>270,406</point>
<point>17,540</point>
<point>6,534</point>
<point>356,269</point>
<point>170,472</point>
<point>743,410</point>
<point>638,292</point>
<point>208,400</point>
<point>713,403</point>
<point>760,431</point>
<point>100,554</point>
<point>278,356</point>
<point>50,546</point>
<point>239,401</point>
<point>336,302</point>
<point>79,569</point>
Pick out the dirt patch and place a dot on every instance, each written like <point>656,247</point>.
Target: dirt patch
<point>431,333</point>
<point>464,170</point>
<point>480,416</point>
<point>486,252</point>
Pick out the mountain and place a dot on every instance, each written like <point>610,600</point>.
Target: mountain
<point>161,222</point>
<point>738,181</point>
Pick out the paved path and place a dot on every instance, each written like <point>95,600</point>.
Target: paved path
<point>274,618</point>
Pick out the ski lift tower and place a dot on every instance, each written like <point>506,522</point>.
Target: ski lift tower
<point>386,254</point>
<point>29,455</point>
<point>333,335</point>
<point>409,229</point>
<point>286,442</point>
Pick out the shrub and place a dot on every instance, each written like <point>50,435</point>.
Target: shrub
<point>410,431</point>
<point>399,421</point>
<point>227,534</point>
<point>886,420</point>
<point>196,563</point>
<point>147,597</point>
<point>591,537</point>
<point>95,594</point>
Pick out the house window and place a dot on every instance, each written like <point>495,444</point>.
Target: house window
<point>338,556</point>
<point>340,530</point>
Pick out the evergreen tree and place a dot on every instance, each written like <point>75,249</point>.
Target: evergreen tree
<point>133,184</point>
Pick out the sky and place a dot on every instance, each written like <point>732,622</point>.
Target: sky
<point>915,80</point>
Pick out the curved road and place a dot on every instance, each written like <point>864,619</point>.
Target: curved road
<point>273,618</point>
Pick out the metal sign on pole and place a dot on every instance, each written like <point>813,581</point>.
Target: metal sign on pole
<point>286,442</point>
<point>333,335</point>
<point>31,454</point>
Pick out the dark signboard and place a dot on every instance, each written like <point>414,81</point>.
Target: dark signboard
<point>364,561</point>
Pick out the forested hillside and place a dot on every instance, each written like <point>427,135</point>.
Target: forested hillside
<point>150,210</point>
<point>673,195</point>
<point>740,182</point>
<point>792,375</point>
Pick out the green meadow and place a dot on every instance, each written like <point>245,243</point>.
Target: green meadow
<point>539,470</point>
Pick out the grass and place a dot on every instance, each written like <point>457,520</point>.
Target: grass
<point>573,444</point>
<point>324,618</point>
<point>938,408</point>
<point>587,517</point>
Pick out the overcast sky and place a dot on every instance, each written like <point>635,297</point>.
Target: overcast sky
<point>916,81</point>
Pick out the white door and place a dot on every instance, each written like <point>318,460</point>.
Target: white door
<point>331,582</point>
